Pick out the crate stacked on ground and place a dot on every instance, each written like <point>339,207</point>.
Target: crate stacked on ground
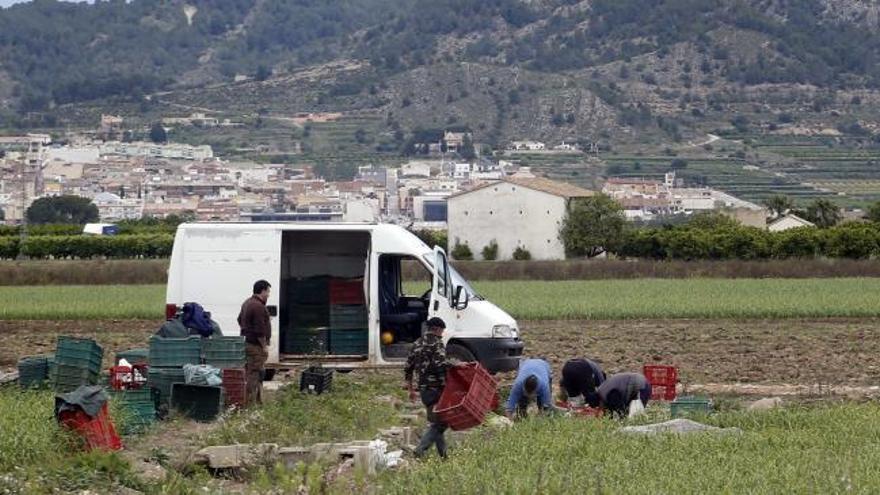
<point>167,357</point>
<point>138,409</point>
<point>134,356</point>
<point>348,317</point>
<point>662,379</point>
<point>33,371</point>
<point>308,316</point>
<point>198,402</point>
<point>235,387</point>
<point>224,352</point>
<point>77,362</point>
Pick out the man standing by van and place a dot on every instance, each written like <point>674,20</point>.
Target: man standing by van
<point>257,330</point>
<point>428,359</point>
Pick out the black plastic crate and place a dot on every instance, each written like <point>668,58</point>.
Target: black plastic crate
<point>316,380</point>
<point>198,402</point>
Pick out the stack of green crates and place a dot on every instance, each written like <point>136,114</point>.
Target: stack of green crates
<point>33,371</point>
<point>77,362</point>
<point>309,316</point>
<point>348,329</point>
<point>224,352</point>
<point>139,408</point>
<point>161,380</point>
<point>171,352</point>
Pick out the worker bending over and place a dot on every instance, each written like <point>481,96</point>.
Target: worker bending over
<point>616,392</point>
<point>533,382</point>
<point>580,378</point>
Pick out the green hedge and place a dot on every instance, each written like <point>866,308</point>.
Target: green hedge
<point>43,229</point>
<point>85,246</point>
<point>850,240</point>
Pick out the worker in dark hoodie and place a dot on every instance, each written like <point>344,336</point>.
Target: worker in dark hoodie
<point>618,391</point>
<point>580,378</point>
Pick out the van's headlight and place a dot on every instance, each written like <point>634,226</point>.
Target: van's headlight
<point>503,331</point>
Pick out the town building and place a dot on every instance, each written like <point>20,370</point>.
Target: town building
<point>514,212</point>
<point>787,222</point>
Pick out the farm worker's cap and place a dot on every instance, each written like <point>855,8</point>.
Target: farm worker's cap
<point>436,323</point>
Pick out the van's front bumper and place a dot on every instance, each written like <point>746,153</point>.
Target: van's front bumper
<point>496,355</point>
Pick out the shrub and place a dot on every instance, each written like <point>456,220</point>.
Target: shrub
<point>490,251</point>
<point>522,254</point>
<point>462,252</point>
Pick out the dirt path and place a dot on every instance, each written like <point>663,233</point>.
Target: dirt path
<point>811,353</point>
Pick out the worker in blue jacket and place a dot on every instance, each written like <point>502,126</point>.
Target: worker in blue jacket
<point>534,382</point>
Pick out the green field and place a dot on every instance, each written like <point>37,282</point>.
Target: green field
<point>826,449</point>
<point>532,300</point>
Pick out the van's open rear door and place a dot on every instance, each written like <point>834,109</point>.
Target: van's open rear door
<point>220,267</point>
<point>441,292</point>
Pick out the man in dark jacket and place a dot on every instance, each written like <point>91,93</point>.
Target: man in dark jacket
<point>616,393</point>
<point>257,330</point>
<point>428,360</point>
<point>581,377</point>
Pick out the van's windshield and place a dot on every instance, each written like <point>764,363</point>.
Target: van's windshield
<point>456,279</point>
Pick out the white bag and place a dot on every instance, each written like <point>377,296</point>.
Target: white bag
<point>635,408</point>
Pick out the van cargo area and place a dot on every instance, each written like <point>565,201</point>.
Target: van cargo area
<point>323,298</point>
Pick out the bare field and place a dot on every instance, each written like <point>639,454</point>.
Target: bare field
<point>844,351</point>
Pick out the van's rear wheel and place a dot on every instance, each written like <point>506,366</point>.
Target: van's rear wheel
<point>460,353</point>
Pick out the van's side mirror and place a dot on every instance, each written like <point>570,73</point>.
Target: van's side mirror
<point>459,302</point>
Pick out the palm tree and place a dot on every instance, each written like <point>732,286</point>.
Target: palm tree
<point>823,212</point>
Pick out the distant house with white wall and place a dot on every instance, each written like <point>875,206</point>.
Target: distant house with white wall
<point>527,146</point>
<point>513,212</point>
<point>787,222</point>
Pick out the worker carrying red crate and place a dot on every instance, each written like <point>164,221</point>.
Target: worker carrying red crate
<point>428,360</point>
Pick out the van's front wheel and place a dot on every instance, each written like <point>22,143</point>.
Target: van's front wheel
<point>460,353</point>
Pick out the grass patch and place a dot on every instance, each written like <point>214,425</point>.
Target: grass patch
<point>81,302</point>
<point>826,449</point>
<point>533,300</point>
<point>349,412</point>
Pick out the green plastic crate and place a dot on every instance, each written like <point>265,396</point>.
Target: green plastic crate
<point>305,341</point>
<point>690,406</point>
<point>66,378</point>
<point>171,352</point>
<point>82,353</point>
<point>306,316</point>
<point>224,352</point>
<point>309,291</point>
<point>350,342</point>
<point>348,317</point>
<point>198,402</point>
<point>33,371</point>
<point>162,379</point>
<point>134,356</point>
<point>139,409</point>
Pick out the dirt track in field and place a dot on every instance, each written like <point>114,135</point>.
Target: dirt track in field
<point>827,351</point>
<point>799,352</point>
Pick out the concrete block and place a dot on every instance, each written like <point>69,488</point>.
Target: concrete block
<point>765,404</point>
<point>291,456</point>
<point>237,456</point>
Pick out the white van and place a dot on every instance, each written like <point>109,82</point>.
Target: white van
<point>216,264</point>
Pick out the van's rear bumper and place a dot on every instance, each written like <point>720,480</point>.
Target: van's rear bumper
<point>496,355</point>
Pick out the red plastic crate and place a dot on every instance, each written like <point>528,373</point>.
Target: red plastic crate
<point>128,377</point>
<point>346,291</point>
<point>660,375</point>
<point>469,394</point>
<point>663,392</point>
<point>235,387</point>
<point>234,375</point>
<point>98,432</point>
<point>583,411</point>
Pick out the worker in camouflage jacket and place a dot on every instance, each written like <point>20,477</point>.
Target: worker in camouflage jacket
<point>428,360</point>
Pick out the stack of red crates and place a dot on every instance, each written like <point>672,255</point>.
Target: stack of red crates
<point>347,291</point>
<point>235,387</point>
<point>98,432</point>
<point>662,379</point>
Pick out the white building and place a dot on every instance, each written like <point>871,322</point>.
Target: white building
<point>153,150</point>
<point>528,146</point>
<point>788,222</point>
<point>112,208</point>
<point>514,212</point>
